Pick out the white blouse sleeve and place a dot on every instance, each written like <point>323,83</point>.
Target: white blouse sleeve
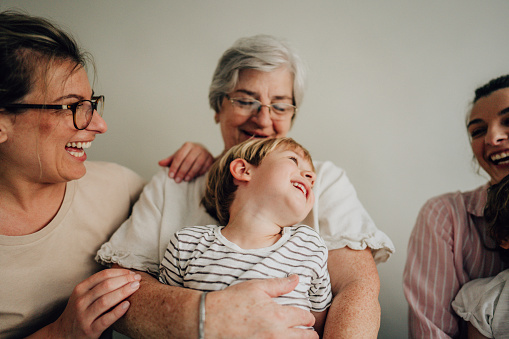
<point>339,217</point>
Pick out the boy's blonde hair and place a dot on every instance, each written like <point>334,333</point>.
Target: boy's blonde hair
<point>220,189</point>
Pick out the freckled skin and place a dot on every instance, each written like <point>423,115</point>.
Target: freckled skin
<point>355,311</point>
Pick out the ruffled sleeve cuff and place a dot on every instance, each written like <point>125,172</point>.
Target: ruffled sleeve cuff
<point>108,256</point>
<point>381,246</point>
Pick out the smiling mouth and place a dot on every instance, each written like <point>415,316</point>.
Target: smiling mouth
<point>301,187</point>
<point>500,158</point>
<point>251,135</point>
<point>76,149</point>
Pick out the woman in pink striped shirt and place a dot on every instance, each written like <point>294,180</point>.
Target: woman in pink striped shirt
<point>449,245</point>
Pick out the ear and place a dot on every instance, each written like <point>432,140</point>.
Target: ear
<point>505,244</point>
<point>216,118</point>
<point>240,170</point>
<point>5,122</point>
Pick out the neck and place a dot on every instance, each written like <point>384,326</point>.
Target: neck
<point>249,227</point>
<point>28,207</point>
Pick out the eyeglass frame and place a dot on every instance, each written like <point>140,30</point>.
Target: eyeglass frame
<point>72,107</point>
<point>270,106</point>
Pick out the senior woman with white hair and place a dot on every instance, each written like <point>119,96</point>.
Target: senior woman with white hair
<point>256,89</point>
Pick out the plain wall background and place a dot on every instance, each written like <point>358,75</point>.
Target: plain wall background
<point>389,87</point>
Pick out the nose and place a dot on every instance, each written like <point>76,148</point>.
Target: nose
<point>262,116</point>
<point>98,124</point>
<point>496,134</point>
<point>310,176</point>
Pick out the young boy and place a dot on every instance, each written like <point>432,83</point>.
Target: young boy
<point>485,302</point>
<point>259,189</point>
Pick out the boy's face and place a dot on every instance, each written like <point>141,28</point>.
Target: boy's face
<point>285,179</point>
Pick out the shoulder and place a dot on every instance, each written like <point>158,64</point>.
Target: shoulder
<point>308,234</point>
<point>196,231</point>
<point>112,178</point>
<point>327,168</point>
<point>161,181</point>
<point>457,202</point>
<point>106,171</point>
<point>329,175</point>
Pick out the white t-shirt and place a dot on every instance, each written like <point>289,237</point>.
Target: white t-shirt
<point>485,304</point>
<point>40,270</point>
<point>201,258</point>
<point>166,207</point>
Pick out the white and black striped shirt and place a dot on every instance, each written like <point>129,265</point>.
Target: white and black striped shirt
<point>200,257</point>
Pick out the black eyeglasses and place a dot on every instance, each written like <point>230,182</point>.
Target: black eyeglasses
<point>82,110</point>
<point>250,106</point>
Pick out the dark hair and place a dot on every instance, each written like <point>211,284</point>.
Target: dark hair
<point>492,86</point>
<point>28,46</point>
<point>496,211</point>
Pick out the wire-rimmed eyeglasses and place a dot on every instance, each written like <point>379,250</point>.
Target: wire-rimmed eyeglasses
<point>250,106</point>
<point>82,111</point>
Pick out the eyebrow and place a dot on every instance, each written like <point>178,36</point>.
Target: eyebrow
<point>478,121</point>
<point>71,96</point>
<point>254,94</point>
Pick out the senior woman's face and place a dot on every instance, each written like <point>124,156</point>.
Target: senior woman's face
<point>488,127</point>
<point>267,87</point>
<point>42,144</point>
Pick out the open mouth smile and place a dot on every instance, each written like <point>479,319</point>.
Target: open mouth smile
<point>301,187</point>
<point>500,158</point>
<point>76,149</point>
<point>252,135</point>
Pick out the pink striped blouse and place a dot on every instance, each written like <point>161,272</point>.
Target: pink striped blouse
<point>445,251</point>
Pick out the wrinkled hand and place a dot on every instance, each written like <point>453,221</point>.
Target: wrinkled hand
<point>190,161</point>
<point>246,310</point>
<point>96,303</point>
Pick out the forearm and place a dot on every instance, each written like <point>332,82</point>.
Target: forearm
<point>355,310</point>
<point>239,311</point>
<point>159,310</point>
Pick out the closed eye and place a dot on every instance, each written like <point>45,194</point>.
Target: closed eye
<point>294,159</point>
<point>477,132</point>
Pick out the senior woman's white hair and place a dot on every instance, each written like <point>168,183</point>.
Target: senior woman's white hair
<point>260,52</point>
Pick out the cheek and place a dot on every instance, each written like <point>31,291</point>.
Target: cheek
<point>477,149</point>
<point>282,127</point>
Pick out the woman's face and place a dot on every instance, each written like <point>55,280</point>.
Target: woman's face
<point>267,87</point>
<point>43,145</point>
<point>488,127</point>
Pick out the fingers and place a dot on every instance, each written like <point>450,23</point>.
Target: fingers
<point>189,161</point>
<point>300,333</point>
<point>109,318</point>
<point>165,162</point>
<point>104,275</point>
<point>298,317</point>
<point>112,291</point>
<point>99,298</point>
<point>278,286</point>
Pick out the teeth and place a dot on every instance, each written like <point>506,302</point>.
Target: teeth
<point>499,156</point>
<point>76,154</point>
<point>301,187</point>
<point>79,144</point>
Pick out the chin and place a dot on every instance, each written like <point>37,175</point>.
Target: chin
<point>77,173</point>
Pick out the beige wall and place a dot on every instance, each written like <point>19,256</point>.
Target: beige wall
<point>389,87</point>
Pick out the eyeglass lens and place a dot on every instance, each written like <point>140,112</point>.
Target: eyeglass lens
<point>277,111</point>
<point>85,111</point>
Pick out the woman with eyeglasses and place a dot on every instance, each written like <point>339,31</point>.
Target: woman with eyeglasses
<point>55,209</point>
<point>256,90</point>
